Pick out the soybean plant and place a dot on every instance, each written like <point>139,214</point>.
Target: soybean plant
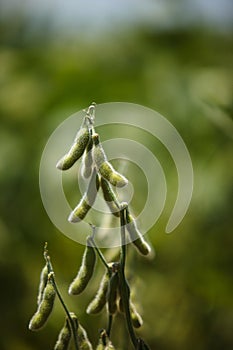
<point>114,291</point>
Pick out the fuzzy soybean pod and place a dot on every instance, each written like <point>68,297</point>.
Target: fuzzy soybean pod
<point>45,307</point>
<point>135,316</point>
<point>108,346</point>
<point>136,236</point>
<point>77,149</point>
<point>64,337</point>
<point>104,342</point>
<point>87,160</point>
<point>110,197</point>
<point>43,282</point>
<point>104,167</point>
<point>97,304</point>
<point>87,201</point>
<point>85,272</point>
<point>83,341</point>
<point>100,347</point>
<point>112,293</point>
<point>80,211</point>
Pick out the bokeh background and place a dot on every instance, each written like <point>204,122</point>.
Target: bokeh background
<point>56,57</point>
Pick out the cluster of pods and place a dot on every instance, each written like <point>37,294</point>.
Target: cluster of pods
<point>101,174</point>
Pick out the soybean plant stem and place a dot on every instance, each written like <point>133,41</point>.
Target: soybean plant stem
<point>123,282</point>
<point>109,325</point>
<point>50,270</point>
<point>102,258</point>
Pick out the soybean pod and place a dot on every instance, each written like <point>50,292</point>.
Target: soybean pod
<point>43,282</point>
<point>87,161</point>
<point>135,235</point>
<point>87,201</point>
<point>110,197</point>
<point>85,272</point>
<point>77,149</point>
<point>108,346</point>
<point>135,316</point>
<point>64,337</point>
<point>83,341</point>
<point>97,304</point>
<point>104,167</point>
<point>45,307</point>
<point>104,342</point>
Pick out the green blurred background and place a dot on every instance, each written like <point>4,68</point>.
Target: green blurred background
<point>173,56</point>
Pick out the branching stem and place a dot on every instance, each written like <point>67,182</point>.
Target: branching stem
<point>123,281</point>
<point>52,277</point>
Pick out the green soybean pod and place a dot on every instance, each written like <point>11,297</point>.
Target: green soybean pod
<point>110,174</point>
<point>112,293</point>
<point>93,188</point>
<point>135,316</point>
<point>64,337</point>
<point>45,308</point>
<point>85,272</point>
<point>87,201</point>
<point>83,341</point>
<point>43,282</point>
<point>97,304</point>
<point>77,149</point>
<point>87,163</point>
<point>104,342</point>
<point>80,211</point>
<point>99,155</point>
<point>108,346</point>
<point>110,197</point>
<point>136,236</point>
<point>100,347</point>
<point>104,167</point>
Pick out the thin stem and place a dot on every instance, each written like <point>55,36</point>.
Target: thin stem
<point>74,330</point>
<point>123,245</point>
<point>110,319</point>
<point>52,277</point>
<point>101,256</point>
<point>123,283</point>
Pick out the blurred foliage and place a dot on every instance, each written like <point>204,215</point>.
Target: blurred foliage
<point>185,293</point>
